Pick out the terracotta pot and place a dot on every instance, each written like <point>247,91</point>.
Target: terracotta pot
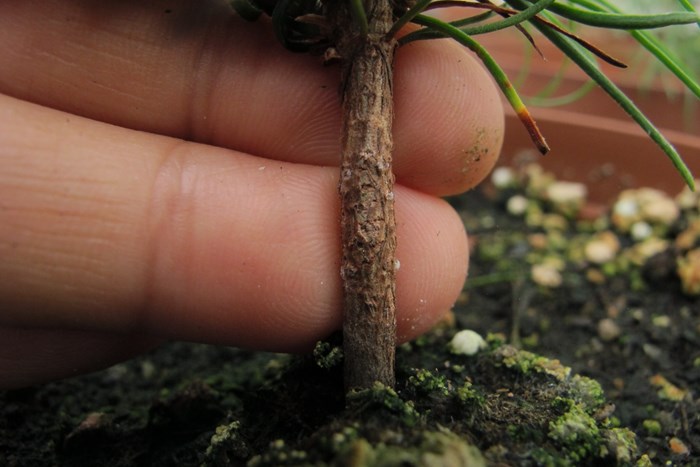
<point>608,153</point>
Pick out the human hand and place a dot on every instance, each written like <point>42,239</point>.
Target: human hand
<point>168,171</point>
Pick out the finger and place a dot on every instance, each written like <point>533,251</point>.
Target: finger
<point>31,356</point>
<point>193,70</point>
<point>114,230</point>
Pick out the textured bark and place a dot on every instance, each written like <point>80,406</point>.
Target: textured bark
<point>367,198</point>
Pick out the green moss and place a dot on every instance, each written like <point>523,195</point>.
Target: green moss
<point>341,439</point>
<point>470,396</point>
<point>653,427</point>
<point>610,268</point>
<point>588,391</point>
<point>426,382</point>
<point>279,454</point>
<point>525,362</point>
<point>492,249</point>
<point>444,448</point>
<point>577,432</point>
<point>436,449</point>
<point>367,401</point>
<point>495,340</point>
<point>545,458</point>
<point>534,216</point>
<point>226,443</point>
<point>531,341</point>
<point>620,444</point>
<point>327,355</point>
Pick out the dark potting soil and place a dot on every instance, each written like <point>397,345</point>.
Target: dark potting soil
<point>592,363</point>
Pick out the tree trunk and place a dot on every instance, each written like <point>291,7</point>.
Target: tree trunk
<point>366,191</point>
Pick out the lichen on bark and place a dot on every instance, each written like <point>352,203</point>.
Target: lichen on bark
<point>366,184</point>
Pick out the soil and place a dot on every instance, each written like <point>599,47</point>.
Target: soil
<point>596,362</point>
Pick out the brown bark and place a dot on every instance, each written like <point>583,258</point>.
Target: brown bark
<point>366,191</point>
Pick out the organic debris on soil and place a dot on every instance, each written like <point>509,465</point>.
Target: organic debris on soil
<point>611,297</point>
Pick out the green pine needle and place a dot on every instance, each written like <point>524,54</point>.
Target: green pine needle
<point>623,21</point>
<point>496,71</point>
<point>358,13</point>
<point>581,58</point>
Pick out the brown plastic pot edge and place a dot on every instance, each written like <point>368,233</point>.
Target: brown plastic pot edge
<point>606,153</point>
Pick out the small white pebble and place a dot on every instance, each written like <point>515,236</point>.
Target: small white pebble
<point>640,230</point>
<point>687,199</point>
<point>644,204</point>
<point>626,208</point>
<point>546,275</point>
<point>502,177</point>
<point>663,210</point>
<point>602,248</point>
<point>566,192</point>
<point>608,330</point>
<point>397,264</point>
<point>517,205</point>
<point>625,211</point>
<point>598,252</point>
<point>467,342</point>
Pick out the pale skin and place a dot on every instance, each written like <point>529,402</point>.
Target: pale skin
<point>168,172</point>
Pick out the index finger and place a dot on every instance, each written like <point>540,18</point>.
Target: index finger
<point>196,71</point>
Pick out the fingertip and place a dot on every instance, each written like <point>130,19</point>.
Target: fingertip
<point>449,118</point>
<point>433,253</point>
